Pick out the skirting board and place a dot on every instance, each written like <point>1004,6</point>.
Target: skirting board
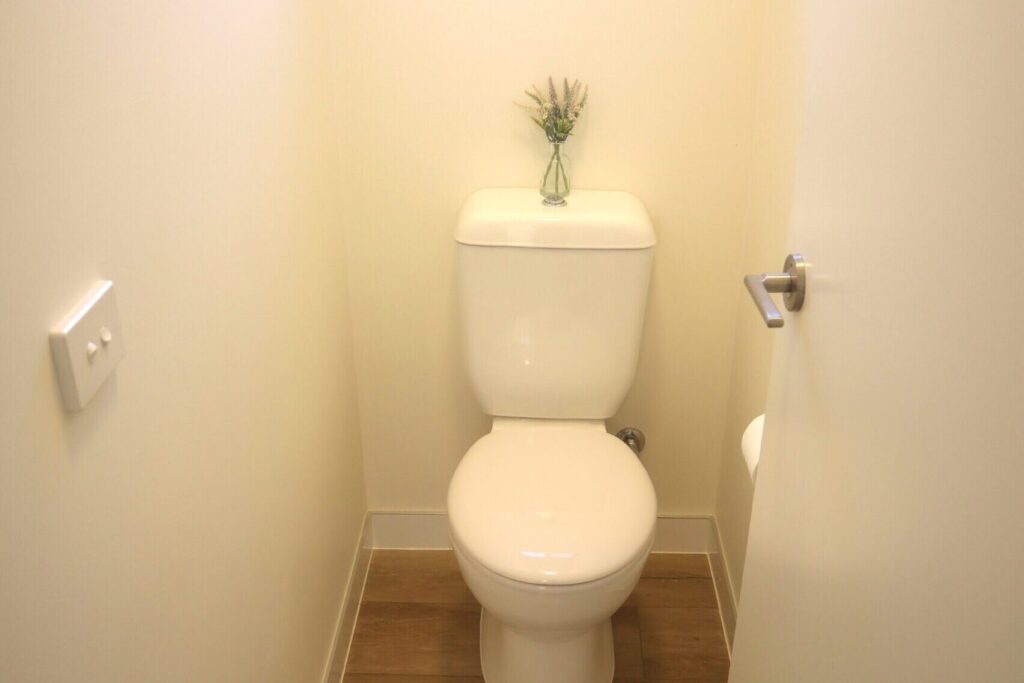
<point>723,586</point>
<point>693,534</point>
<point>429,531</point>
<point>349,609</point>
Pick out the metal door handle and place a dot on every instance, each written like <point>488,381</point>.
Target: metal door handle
<point>792,284</point>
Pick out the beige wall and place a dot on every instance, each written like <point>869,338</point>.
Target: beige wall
<point>773,158</point>
<point>208,500</point>
<point>429,90</point>
<point>197,521</point>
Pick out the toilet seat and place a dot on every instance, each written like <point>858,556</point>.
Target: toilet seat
<point>551,502</point>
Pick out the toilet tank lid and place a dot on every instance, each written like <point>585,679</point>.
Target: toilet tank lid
<point>591,219</point>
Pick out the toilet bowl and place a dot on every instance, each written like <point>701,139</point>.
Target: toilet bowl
<point>550,516</point>
<point>551,522</point>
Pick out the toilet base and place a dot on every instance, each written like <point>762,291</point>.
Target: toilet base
<point>512,656</point>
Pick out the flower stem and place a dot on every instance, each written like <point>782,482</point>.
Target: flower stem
<point>561,168</point>
<point>557,156</point>
<point>558,165</point>
<point>544,183</point>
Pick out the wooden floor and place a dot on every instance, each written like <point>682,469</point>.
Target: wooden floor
<point>418,623</point>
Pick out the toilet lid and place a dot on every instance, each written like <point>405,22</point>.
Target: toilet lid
<point>551,503</point>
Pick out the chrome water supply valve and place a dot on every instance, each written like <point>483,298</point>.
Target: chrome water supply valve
<point>633,438</point>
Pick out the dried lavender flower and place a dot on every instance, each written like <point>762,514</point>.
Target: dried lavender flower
<point>556,118</point>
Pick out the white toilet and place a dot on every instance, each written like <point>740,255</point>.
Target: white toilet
<point>550,516</point>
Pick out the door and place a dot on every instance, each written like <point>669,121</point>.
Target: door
<point>887,535</point>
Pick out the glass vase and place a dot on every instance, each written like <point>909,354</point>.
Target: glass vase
<point>555,185</point>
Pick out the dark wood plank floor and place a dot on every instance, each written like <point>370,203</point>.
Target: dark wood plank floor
<point>418,623</point>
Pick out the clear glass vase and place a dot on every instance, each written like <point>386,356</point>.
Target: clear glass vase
<point>555,185</point>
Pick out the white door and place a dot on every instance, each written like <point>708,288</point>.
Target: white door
<point>887,540</point>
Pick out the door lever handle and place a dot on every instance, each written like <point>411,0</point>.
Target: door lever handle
<point>792,284</point>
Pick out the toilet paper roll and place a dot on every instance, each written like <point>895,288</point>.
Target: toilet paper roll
<point>751,444</point>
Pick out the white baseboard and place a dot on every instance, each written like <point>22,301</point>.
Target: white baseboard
<point>410,530</point>
<point>689,534</point>
<point>727,607</point>
<point>684,534</point>
<point>348,611</point>
<point>429,531</point>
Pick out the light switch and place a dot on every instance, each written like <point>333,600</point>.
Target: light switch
<point>87,346</point>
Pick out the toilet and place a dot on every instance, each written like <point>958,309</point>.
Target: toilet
<point>550,516</point>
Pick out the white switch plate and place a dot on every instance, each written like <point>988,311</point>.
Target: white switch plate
<point>87,346</point>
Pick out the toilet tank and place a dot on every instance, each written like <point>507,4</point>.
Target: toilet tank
<point>552,300</point>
